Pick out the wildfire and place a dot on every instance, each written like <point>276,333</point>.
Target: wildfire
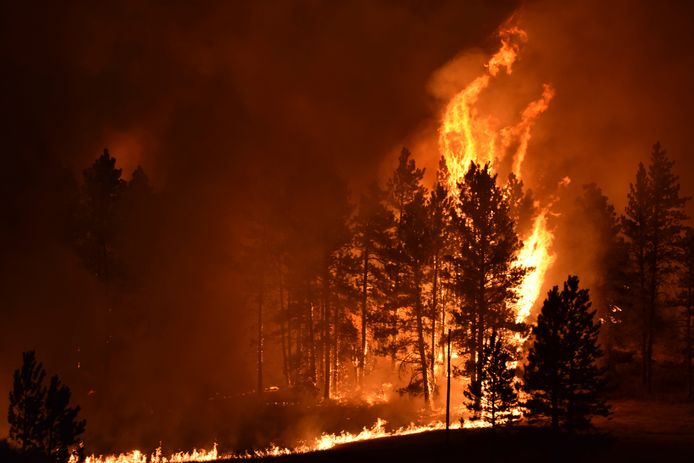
<point>465,136</point>
<point>323,442</point>
<point>138,457</point>
<point>535,254</point>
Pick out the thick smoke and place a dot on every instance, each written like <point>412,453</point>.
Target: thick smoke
<point>228,106</point>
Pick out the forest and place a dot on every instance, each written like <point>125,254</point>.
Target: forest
<point>335,231</point>
<point>391,280</point>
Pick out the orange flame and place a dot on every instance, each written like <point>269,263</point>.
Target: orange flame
<point>323,442</point>
<point>137,456</point>
<point>466,136</point>
<point>535,254</point>
<point>521,132</point>
<point>377,431</point>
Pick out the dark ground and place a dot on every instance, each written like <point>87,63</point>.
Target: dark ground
<point>638,431</point>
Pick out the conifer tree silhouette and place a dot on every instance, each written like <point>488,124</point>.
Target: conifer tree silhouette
<point>562,376</point>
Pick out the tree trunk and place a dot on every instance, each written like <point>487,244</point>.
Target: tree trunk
<point>311,346</point>
<point>480,340</point>
<point>299,341</point>
<point>326,347</point>
<point>434,316</point>
<point>652,306</point>
<point>420,339</point>
<point>443,320</point>
<point>690,378</point>
<point>290,355</point>
<point>335,346</point>
<point>259,387</point>
<point>394,350</point>
<point>284,327</point>
<point>448,386</point>
<point>492,400</point>
<point>555,410</point>
<point>364,290</point>
<point>644,316</point>
<point>108,322</point>
<point>473,348</point>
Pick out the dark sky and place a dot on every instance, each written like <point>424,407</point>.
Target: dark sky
<point>213,98</point>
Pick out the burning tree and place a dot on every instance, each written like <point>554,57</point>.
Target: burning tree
<point>439,217</point>
<point>562,376</point>
<point>486,275</point>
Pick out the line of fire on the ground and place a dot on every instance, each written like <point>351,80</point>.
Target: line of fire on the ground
<point>323,442</point>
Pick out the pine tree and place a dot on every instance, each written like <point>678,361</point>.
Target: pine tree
<point>439,214</point>
<point>102,191</point>
<point>653,226</point>
<point>27,399</point>
<point>495,397</point>
<point>342,342</point>
<point>101,201</point>
<point>372,228</point>
<point>338,266</point>
<point>403,186</point>
<point>485,276</point>
<point>686,299</point>
<point>62,428</point>
<point>416,252</point>
<point>41,419</point>
<point>562,376</point>
<point>666,228</point>
<point>636,229</point>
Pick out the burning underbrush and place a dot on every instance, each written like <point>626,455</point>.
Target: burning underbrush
<point>281,423</point>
